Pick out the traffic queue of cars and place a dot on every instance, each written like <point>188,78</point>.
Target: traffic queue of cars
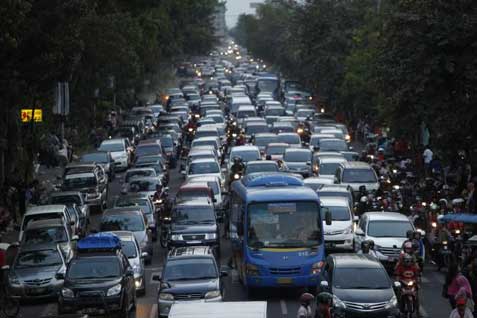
<point>291,205</point>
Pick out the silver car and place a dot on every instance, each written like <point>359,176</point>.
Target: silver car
<point>34,272</point>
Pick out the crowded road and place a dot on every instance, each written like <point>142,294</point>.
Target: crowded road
<point>282,303</point>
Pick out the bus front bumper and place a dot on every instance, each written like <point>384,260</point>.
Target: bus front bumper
<point>283,281</point>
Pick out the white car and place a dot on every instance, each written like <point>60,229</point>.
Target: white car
<point>339,235</point>
<point>120,150</point>
<point>205,167</point>
<point>246,153</point>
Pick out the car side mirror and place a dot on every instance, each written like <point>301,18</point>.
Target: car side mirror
<point>350,147</point>
<point>336,180</point>
<point>328,218</point>
<point>308,163</point>
<point>183,172</point>
<point>144,254</point>
<point>324,285</point>
<point>397,285</point>
<point>60,276</point>
<point>359,232</point>
<point>156,277</point>
<point>224,170</point>
<point>75,238</point>
<point>356,218</point>
<point>5,268</point>
<point>224,274</point>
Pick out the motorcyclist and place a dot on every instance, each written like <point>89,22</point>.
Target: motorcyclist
<point>407,271</point>
<point>237,167</point>
<point>305,306</point>
<point>324,305</point>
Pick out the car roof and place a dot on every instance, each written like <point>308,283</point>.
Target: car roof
<point>203,160</point>
<point>195,202</point>
<point>112,141</point>
<point>355,164</point>
<point>262,162</point>
<point>334,201</point>
<point>348,260</point>
<point>297,150</point>
<point>334,188</point>
<point>200,178</point>
<point>214,138</point>
<point>332,159</point>
<point>386,216</point>
<point>312,180</point>
<point>244,148</point>
<point>278,144</point>
<point>123,210</point>
<point>43,209</point>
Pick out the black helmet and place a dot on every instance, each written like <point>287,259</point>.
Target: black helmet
<point>365,245</point>
<point>324,298</point>
<point>410,234</point>
<point>371,244</point>
<point>237,160</point>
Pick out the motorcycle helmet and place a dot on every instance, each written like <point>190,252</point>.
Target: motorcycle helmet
<point>408,260</point>
<point>306,298</point>
<point>371,244</point>
<point>325,298</point>
<point>365,246</point>
<point>408,247</point>
<point>410,234</point>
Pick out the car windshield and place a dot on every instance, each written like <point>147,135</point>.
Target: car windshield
<point>346,195</point>
<point>262,167</point>
<point>39,258</point>
<point>190,269</point>
<point>139,173</point>
<point>94,268</point>
<point>338,213</point>
<point>359,176</point>
<point>297,156</point>
<point>129,249</point>
<point>142,186</point>
<point>276,150</point>
<point>361,278</point>
<point>204,167</point>
<point>167,142</point>
<point>55,234</point>
<point>198,143</point>
<point>284,225</point>
<point>124,201</point>
<point>274,112</point>
<point>289,139</point>
<point>194,215</point>
<point>263,141</point>
<point>256,129</point>
<point>333,145</point>
<point>75,182</point>
<point>123,222</point>
<point>112,147</point>
<point>328,168</point>
<point>66,200</point>
<point>389,228</point>
<point>148,150</point>
<point>246,156</point>
<point>101,157</point>
<point>304,112</point>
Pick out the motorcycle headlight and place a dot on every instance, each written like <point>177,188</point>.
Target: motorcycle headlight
<point>176,237</point>
<point>212,294</point>
<point>338,303</point>
<point>392,303</point>
<point>210,236</point>
<point>115,290</point>
<point>158,201</point>
<point>236,176</point>
<point>67,293</point>
<point>234,135</point>
<point>138,282</point>
<point>166,296</point>
<point>348,138</point>
<point>299,130</point>
<point>190,129</point>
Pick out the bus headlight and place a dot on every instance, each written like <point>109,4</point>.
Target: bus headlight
<point>251,270</point>
<point>316,268</point>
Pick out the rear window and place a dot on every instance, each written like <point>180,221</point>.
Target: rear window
<point>37,217</point>
<point>289,139</point>
<point>148,150</point>
<point>338,213</point>
<point>359,176</point>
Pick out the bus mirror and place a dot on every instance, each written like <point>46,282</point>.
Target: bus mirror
<point>328,219</point>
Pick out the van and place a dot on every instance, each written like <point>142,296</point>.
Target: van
<point>356,174</point>
<point>46,212</point>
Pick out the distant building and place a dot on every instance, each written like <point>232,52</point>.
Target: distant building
<point>219,21</point>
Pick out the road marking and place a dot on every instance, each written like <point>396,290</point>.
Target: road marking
<point>283,305</point>
<point>153,313</point>
<point>423,312</point>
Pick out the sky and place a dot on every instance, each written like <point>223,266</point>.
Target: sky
<point>237,7</point>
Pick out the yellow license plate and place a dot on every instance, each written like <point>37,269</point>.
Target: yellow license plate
<point>284,281</point>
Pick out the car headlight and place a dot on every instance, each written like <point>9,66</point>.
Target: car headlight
<point>348,138</point>
<point>316,268</point>
<point>210,236</point>
<point>348,230</point>
<point>67,293</point>
<point>176,237</point>
<point>13,279</point>
<point>115,290</point>
<point>212,294</point>
<point>392,303</point>
<point>166,296</point>
<point>338,303</point>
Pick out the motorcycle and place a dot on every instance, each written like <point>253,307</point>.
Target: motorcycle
<point>409,305</point>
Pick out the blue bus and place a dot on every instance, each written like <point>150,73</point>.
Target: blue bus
<point>276,231</point>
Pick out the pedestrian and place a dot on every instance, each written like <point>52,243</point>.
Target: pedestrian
<point>427,156</point>
<point>471,275</point>
<point>471,202</point>
<point>453,284</point>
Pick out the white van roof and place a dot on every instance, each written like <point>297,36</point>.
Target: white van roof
<point>239,309</point>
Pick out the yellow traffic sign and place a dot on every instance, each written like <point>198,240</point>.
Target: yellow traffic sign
<point>27,113</point>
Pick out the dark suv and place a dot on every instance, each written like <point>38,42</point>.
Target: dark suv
<point>360,286</point>
<point>194,223</point>
<point>99,280</point>
<point>190,274</point>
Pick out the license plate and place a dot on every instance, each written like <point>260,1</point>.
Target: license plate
<point>36,291</point>
<point>194,242</point>
<point>284,281</point>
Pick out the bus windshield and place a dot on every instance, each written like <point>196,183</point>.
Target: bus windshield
<point>284,225</point>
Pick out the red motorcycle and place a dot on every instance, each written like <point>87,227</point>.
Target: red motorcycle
<point>408,298</point>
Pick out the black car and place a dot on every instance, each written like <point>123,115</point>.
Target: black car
<point>99,279</point>
<point>190,274</point>
<point>193,223</point>
<point>360,286</point>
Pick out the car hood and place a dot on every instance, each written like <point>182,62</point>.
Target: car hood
<point>140,236</point>
<point>336,226</point>
<point>117,154</point>
<point>195,286</point>
<point>33,273</point>
<point>185,229</point>
<point>91,285</point>
<point>366,296</point>
<point>389,242</point>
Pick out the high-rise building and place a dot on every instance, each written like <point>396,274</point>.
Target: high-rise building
<point>219,21</point>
